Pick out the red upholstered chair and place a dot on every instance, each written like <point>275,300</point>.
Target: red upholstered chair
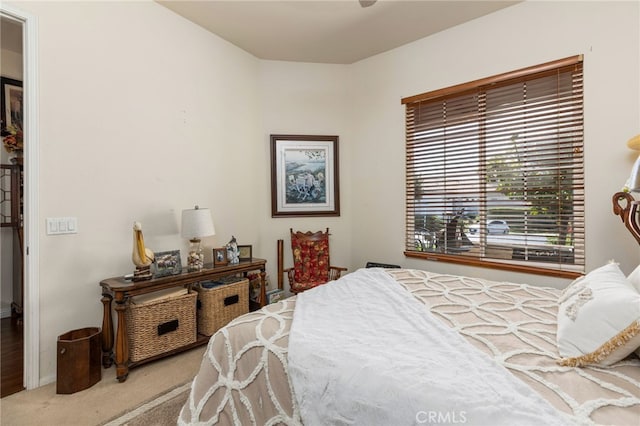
<point>311,266</point>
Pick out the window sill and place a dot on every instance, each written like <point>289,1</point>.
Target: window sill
<point>472,261</point>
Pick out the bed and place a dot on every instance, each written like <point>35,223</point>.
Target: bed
<point>246,376</point>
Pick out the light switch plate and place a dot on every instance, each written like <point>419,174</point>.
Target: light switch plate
<point>62,225</point>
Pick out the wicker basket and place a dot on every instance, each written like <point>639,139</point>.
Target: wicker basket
<point>160,326</point>
<point>217,306</point>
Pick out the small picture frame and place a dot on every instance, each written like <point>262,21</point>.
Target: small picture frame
<point>167,263</point>
<point>220,256</point>
<point>245,252</point>
<point>274,296</point>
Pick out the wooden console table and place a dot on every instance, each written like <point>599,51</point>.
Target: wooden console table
<point>122,290</point>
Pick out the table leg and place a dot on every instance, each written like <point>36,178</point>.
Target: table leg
<point>263,287</point>
<point>107,331</point>
<point>122,346</point>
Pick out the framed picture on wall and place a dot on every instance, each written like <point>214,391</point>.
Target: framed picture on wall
<point>304,176</point>
<point>11,102</point>
<point>11,112</point>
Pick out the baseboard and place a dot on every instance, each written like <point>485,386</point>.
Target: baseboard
<point>47,380</point>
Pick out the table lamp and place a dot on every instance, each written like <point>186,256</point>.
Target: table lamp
<point>196,223</point>
<point>629,211</point>
<point>633,184</point>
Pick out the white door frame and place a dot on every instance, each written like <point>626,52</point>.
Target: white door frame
<point>31,308</point>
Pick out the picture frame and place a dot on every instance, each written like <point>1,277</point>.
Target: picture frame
<point>11,103</point>
<point>245,252</point>
<point>304,176</point>
<point>274,296</point>
<point>167,263</point>
<point>220,256</point>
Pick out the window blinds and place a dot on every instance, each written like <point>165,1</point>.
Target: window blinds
<point>494,169</point>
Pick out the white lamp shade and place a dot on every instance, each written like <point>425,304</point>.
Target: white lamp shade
<point>197,223</point>
<point>633,184</point>
<point>634,180</point>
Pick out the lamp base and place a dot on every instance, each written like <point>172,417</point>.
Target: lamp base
<point>195,258</point>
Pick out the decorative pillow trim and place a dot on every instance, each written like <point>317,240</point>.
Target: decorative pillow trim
<point>604,351</point>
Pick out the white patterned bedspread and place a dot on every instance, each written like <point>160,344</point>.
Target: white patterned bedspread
<point>412,365</point>
<point>243,378</point>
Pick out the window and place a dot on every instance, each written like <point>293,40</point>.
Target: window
<point>494,171</point>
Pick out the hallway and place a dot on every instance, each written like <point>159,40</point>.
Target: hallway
<point>11,360</point>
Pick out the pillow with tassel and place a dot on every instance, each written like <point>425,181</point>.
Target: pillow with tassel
<point>598,318</point>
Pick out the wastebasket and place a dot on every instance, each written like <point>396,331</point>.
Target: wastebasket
<point>79,359</point>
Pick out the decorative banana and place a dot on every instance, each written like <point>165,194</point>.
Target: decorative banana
<point>141,256</point>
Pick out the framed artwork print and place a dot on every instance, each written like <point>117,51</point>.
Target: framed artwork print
<point>245,252</point>
<point>220,256</point>
<point>167,263</point>
<point>304,176</point>
<point>11,103</point>
<point>274,296</point>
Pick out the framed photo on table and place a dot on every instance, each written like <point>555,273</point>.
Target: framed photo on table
<point>245,252</point>
<point>304,176</point>
<point>220,256</point>
<point>167,263</point>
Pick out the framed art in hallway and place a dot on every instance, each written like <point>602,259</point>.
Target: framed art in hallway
<point>11,111</point>
<point>304,176</point>
<point>11,103</point>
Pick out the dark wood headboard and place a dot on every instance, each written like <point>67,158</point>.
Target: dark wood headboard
<point>628,213</point>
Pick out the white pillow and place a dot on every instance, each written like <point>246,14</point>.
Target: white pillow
<point>598,318</point>
<point>634,278</point>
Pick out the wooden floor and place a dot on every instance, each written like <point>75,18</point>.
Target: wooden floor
<point>11,360</point>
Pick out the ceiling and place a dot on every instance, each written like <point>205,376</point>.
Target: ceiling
<point>327,31</point>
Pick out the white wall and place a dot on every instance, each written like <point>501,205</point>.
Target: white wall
<point>530,33</point>
<point>11,64</point>
<point>305,99</point>
<point>142,114</point>
<point>142,119</point>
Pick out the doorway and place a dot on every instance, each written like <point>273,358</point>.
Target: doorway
<point>26,64</point>
<point>11,211</point>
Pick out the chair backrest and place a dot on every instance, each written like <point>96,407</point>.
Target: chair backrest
<point>310,256</point>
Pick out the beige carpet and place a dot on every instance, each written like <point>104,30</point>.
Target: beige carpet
<point>155,386</point>
<point>161,411</point>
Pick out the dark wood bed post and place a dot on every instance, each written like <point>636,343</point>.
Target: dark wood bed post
<point>280,265</point>
<point>628,213</point>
